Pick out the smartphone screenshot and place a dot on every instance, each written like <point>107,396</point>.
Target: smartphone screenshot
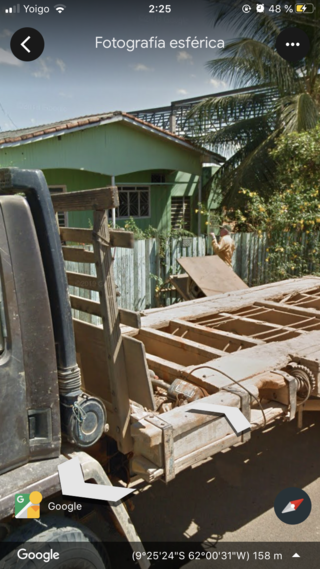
<point>159,284</point>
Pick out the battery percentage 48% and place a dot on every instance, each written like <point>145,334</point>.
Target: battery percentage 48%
<point>278,9</point>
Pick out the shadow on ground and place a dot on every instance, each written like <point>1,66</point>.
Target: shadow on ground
<point>231,489</point>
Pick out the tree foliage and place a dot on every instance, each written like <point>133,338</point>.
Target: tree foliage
<point>290,217</point>
<point>282,97</point>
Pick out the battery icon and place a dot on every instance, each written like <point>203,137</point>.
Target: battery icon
<point>304,8</point>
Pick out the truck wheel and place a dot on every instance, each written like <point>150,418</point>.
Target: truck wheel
<point>81,549</point>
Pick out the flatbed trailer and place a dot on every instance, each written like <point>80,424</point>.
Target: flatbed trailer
<point>121,395</point>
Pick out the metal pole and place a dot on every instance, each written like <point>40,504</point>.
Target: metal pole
<point>199,200</point>
<point>113,183</point>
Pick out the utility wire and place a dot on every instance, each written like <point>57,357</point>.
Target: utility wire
<point>8,116</point>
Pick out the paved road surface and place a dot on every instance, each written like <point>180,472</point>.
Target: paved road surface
<point>230,497</point>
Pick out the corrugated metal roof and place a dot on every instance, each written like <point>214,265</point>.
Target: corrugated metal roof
<point>27,134</point>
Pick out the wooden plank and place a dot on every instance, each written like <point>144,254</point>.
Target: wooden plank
<point>82,280</point>
<point>176,349</point>
<point>127,317</point>
<point>180,282</point>
<point>272,412</point>
<point>291,308</point>
<point>90,347</point>
<point>139,383</point>
<point>85,305</point>
<point>77,254</point>
<point>211,274</point>
<point>203,307</point>
<point>100,198</point>
<point>221,340</point>
<point>119,238</point>
<point>130,318</point>
<point>76,235</point>
<point>116,237</point>
<point>169,371</point>
<point>114,349</point>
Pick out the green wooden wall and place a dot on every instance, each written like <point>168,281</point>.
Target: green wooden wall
<point>178,184</point>
<point>88,158</point>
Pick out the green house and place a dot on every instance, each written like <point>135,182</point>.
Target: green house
<point>158,174</point>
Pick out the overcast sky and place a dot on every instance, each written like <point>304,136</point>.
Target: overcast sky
<point>73,78</point>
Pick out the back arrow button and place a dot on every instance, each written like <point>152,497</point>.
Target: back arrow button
<point>27,44</point>
<point>24,44</point>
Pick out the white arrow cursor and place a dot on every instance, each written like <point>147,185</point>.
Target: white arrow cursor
<point>73,484</point>
<point>24,42</point>
<point>234,416</point>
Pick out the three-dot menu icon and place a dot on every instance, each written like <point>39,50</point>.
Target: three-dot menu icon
<point>292,44</point>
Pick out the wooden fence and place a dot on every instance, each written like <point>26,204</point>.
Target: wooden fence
<point>139,272</point>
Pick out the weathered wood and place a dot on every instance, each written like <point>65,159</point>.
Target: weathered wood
<point>115,238</point>
<point>211,274</point>
<point>76,235</point>
<point>82,280</point>
<point>85,305</point>
<point>130,318</point>
<point>225,341</point>
<point>127,317</point>
<point>119,238</point>
<point>139,383</point>
<point>272,411</point>
<point>100,198</point>
<point>291,309</point>
<point>114,349</point>
<point>193,310</point>
<point>169,371</point>
<point>176,349</point>
<point>77,254</point>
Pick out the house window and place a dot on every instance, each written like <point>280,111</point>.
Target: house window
<point>133,202</point>
<point>180,213</point>
<point>62,216</point>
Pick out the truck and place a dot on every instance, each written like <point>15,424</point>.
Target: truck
<point>115,389</point>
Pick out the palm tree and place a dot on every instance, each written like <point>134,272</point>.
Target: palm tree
<point>283,96</point>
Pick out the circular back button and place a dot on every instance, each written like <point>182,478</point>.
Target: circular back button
<point>27,44</point>
<point>292,44</point>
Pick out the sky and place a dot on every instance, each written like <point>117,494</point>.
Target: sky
<point>74,78</point>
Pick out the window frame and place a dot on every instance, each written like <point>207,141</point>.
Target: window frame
<point>137,189</point>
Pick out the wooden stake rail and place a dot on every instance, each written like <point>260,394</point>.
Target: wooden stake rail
<point>115,237</point>
<point>102,353</point>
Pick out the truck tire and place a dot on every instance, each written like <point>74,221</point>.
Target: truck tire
<point>87,552</point>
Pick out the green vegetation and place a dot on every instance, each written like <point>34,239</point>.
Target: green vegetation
<point>285,98</point>
<point>291,216</point>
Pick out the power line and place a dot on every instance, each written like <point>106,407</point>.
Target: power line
<point>8,116</point>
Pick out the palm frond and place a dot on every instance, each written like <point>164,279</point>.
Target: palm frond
<point>298,112</point>
<point>249,61</point>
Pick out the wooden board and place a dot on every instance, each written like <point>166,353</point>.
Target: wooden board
<point>180,282</point>
<point>77,254</point>
<point>211,274</point>
<point>100,198</point>
<point>93,363</point>
<point>202,307</point>
<point>139,384</point>
<point>113,344</point>
<point>176,349</point>
<point>116,237</point>
<point>127,317</point>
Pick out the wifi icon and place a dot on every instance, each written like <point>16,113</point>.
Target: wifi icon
<point>60,8</point>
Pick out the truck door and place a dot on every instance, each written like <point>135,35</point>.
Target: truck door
<point>29,399</point>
